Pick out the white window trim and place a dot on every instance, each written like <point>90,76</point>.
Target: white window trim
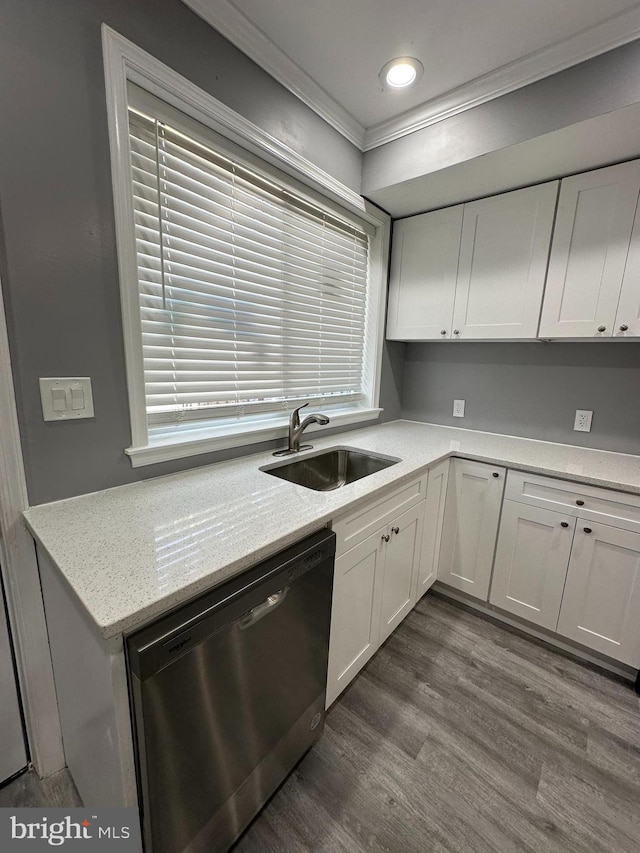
<point>124,61</point>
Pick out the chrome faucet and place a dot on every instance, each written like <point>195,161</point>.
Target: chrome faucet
<point>296,429</point>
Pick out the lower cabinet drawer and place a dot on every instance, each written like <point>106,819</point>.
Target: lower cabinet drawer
<point>591,502</point>
<point>357,525</point>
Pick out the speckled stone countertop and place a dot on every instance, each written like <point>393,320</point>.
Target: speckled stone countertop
<point>133,552</point>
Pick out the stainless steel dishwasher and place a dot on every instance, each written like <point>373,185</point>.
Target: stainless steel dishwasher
<point>228,693</point>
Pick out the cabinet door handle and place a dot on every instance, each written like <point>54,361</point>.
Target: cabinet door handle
<point>587,530</point>
<point>495,474</point>
<point>395,530</point>
<point>443,331</point>
<point>385,537</point>
<point>602,328</point>
<point>579,503</point>
<point>456,331</point>
<point>564,524</point>
<point>623,328</point>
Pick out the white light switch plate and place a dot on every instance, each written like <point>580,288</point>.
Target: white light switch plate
<point>66,398</point>
<point>582,422</point>
<point>458,408</point>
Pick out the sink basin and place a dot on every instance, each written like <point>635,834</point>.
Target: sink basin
<point>330,469</point>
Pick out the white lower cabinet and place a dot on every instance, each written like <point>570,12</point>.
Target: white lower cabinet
<point>434,507</point>
<point>559,566</point>
<point>554,567</point>
<point>355,632</point>
<point>373,590</point>
<point>474,498</point>
<point>401,557</point>
<point>601,602</point>
<point>531,562</point>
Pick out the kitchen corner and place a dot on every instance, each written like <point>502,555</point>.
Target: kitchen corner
<point>114,561</point>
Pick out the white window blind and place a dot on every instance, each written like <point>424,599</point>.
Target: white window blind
<point>252,298</point>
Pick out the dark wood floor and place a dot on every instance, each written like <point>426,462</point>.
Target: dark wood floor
<point>461,736</point>
<point>458,737</point>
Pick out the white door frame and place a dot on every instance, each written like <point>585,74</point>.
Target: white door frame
<point>22,584</point>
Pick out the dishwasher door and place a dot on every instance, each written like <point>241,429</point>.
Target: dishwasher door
<point>228,694</point>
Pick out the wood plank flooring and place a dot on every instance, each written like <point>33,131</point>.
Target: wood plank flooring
<point>459,736</point>
<point>464,737</point>
<point>27,791</point>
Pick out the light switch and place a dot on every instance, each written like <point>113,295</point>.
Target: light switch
<point>59,399</point>
<point>66,398</point>
<point>77,398</point>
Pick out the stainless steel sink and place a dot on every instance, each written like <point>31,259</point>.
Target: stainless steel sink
<point>330,469</point>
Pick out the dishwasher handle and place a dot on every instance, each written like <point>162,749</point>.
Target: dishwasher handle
<point>259,611</point>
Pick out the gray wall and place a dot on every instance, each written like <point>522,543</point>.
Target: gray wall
<point>529,389</point>
<point>57,249</point>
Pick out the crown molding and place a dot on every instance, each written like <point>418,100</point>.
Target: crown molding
<point>230,22</point>
<point>614,32</point>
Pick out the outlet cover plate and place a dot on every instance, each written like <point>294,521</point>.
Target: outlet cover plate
<point>458,408</point>
<point>582,422</point>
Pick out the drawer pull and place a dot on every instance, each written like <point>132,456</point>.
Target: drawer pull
<point>395,530</point>
<point>456,331</point>
<point>602,328</point>
<point>623,328</point>
<point>385,537</point>
<point>495,474</point>
<point>443,331</point>
<point>587,530</point>
<point>564,524</point>
<point>579,503</point>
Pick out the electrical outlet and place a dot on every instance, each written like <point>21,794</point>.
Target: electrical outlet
<point>458,408</point>
<point>583,420</point>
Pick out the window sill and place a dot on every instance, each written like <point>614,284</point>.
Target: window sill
<point>222,437</point>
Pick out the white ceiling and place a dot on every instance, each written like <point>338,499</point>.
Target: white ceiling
<point>330,52</point>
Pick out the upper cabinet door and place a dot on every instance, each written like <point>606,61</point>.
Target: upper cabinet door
<point>627,324</point>
<point>590,246</point>
<point>422,283</point>
<point>503,263</point>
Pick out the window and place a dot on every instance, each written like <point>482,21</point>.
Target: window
<point>252,293</point>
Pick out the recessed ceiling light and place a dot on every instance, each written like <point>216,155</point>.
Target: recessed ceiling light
<point>401,72</point>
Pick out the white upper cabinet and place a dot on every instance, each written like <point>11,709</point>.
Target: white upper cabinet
<point>627,323</point>
<point>475,271</point>
<point>591,243</point>
<point>424,266</point>
<point>503,263</point>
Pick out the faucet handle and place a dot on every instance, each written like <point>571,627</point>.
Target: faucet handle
<point>295,416</point>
